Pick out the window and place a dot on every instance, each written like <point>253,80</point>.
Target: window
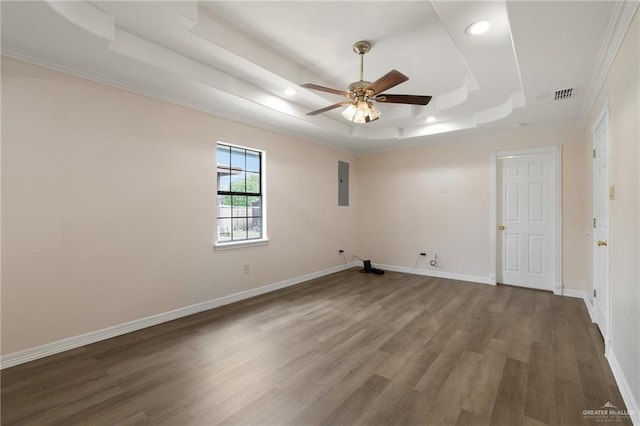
<point>240,199</point>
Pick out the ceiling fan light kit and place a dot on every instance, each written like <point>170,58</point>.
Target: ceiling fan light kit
<point>361,112</point>
<point>359,108</point>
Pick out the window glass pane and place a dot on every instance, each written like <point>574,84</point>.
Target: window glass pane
<point>224,201</point>
<point>254,228</point>
<point>237,182</point>
<point>253,161</point>
<point>224,206</point>
<point>239,205</point>
<point>223,156</point>
<point>254,206</point>
<point>224,181</point>
<point>253,182</point>
<point>237,158</point>
<point>239,228</point>
<point>224,229</point>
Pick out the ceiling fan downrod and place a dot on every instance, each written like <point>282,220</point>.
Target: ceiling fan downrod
<point>361,47</point>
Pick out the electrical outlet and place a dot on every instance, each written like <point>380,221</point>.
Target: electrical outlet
<point>245,268</point>
<point>423,253</point>
<point>340,251</point>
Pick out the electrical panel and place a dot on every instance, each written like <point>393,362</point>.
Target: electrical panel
<point>343,183</point>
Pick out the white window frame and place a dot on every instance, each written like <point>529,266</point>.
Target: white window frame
<point>225,245</point>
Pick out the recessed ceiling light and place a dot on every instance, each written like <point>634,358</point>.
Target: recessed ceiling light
<point>290,91</point>
<point>478,28</point>
<point>431,119</point>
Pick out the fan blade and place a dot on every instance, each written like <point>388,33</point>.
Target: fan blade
<point>403,99</point>
<point>387,81</point>
<point>330,107</point>
<point>323,89</point>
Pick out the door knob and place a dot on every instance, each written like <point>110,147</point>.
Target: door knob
<point>501,227</point>
<point>601,243</point>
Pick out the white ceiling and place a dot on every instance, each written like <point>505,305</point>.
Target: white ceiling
<point>234,59</point>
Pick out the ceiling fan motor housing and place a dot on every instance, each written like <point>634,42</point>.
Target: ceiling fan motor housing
<point>356,90</point>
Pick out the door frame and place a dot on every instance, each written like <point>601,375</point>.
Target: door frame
<point>556,152</point>
<point>603,118</point>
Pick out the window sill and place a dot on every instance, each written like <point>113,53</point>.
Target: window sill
<point>240,244</point>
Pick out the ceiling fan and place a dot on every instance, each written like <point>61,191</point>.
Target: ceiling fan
<point>361,93</point>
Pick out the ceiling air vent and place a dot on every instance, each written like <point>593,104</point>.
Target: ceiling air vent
<point>563,94</point>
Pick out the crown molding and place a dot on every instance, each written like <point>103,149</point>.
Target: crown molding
<point>108,80</point>
<point>621,18</point>
<point>113,81</point>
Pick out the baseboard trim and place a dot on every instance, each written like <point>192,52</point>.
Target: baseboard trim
<point>569,292</point>
<point>625,390</point>
<point>439,274</point>
<point>53,348</point>
<point>557,288</point>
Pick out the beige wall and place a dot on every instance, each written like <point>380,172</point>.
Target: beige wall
<point>108,207</point>
<point>622,94</point>
<point>402,210</point>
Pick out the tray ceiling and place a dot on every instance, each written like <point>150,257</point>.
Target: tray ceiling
<point>236,59</point>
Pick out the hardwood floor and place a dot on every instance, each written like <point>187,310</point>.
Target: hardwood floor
<point>344,349</point>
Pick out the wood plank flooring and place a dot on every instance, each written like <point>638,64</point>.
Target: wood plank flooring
<point>345,349</point>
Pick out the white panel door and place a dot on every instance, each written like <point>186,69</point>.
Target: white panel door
<point>525,217</point>
<point>601,225</point>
